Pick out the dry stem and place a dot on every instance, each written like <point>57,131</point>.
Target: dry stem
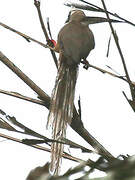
<point>67,156</point>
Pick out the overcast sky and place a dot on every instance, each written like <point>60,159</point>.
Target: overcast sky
<point>105,112</point>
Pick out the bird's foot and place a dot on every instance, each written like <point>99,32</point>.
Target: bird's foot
<point>86,64</point>
<point>49,47</point>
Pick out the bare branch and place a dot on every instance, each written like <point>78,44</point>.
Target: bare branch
<point>18,95</point>
<point>5,125</point>
<point>120,51</point>
<point>107,72</point>
<point>41,139</point>
<point>65,155</point>
<point>49,29</point>
<point>37,4</point>
<point>28,38</point>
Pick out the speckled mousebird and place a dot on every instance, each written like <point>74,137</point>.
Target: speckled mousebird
<point>74,43</point>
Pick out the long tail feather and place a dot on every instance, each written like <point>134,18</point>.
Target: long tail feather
<point>61,110</point>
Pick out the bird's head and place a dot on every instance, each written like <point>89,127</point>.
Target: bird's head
<point>75,15</point>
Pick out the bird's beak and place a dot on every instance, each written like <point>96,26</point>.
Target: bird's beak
<point>93,20</point>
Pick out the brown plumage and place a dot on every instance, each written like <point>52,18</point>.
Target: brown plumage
<point>75,41</point>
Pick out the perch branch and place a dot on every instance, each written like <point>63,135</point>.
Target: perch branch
<point>107,72</point>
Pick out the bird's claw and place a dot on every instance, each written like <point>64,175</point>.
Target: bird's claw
<point>86,64</point>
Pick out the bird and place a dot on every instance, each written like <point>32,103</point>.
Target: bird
<point>74,43</point>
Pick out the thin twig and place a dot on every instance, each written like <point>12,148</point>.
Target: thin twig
<point>41,139</point>
<point>20,96</point>
<point>49,29</point>
<point>65,155</point>
<point>120,51</point>
<point>28,38</point>
<point>131,103</point>
<point>108,48</point>
<point>107,72</point>
<point>79,108</point>
<point>37,4</point>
